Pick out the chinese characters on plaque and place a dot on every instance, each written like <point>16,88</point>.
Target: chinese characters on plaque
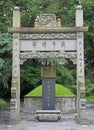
<point>47,45</point>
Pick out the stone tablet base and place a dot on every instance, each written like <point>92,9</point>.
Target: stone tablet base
<point>48,115</point>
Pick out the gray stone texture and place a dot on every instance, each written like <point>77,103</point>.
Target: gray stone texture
<point>65,104</point>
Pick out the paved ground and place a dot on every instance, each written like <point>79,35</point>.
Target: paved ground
<point>28,122</point>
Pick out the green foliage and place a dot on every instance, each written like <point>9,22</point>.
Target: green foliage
<point>30,9</point>
<point>6,8</point>
<point>73,89</point>
<point>2,103</point>
<point>89,88</point>
<point>88,6</point>
<point>30,76</point>
<point>52,62</point>
<point>65,76</point>
<point>90,99</point>
<point>60,90</point>
<point>5,62</point>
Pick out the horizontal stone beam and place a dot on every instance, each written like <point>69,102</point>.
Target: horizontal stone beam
<point>40,55</point>
<point>47,30</point>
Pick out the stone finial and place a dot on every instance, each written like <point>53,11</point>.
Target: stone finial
<point>16,17</point>
<point>79,7</point>
<point>58,22</point>
<point>16,8</point>
<point>79,16</point>
<point>36,23</point>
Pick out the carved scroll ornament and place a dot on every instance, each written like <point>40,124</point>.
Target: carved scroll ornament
<point>40,55</point>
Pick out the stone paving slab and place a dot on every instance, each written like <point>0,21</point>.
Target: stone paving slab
<point>28,122</point>
<point>27,125</point>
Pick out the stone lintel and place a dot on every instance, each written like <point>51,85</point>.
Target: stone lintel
<point>47,30</point>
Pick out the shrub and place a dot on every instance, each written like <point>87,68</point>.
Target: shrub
<point>2,103</point>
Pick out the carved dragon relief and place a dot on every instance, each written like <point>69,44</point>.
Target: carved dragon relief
<point>47,20</point>
<point>40,55</point>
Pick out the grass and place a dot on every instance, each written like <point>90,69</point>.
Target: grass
<point>2,103</point>
<point>60,90</point>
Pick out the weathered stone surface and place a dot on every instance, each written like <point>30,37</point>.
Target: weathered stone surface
<point>46,28</point>
<point>48,115</point>
<point>64,104</point>
<point>15,90</point>
<point>49,71</point>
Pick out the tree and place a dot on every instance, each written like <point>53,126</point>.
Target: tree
<point>5,63</point>
<point>30,76</point>
<point>30,9</point>
<point>88,7</point>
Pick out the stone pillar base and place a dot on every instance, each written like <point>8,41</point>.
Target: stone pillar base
<point>14,121</point>
<point>48,115</point>
<point>13,118</point>
<point>14,113</point>
<point>82,117</point>
<point>82,121</point>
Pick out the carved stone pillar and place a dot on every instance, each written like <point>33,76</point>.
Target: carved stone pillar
<point>15,89</point>
<point>81,101</point>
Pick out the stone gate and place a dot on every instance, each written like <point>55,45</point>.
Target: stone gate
<point>48,39</point>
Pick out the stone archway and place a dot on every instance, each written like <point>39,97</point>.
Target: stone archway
<point>60,42</point>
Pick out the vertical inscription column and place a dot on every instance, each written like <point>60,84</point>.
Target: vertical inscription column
<point>48,75</point>
<point>15,89</point>
<point>81,101</point>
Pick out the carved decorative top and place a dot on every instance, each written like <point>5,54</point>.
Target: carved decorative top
<point>40,55</point>
<point>48,36</point>
<point>47,20</point>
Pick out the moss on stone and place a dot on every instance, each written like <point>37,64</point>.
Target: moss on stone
<point>60,90</point>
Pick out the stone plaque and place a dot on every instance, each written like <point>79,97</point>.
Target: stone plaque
<point>48,93</point>
<point>48,45</point>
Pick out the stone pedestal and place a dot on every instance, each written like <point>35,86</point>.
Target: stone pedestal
<point>48,115</point>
